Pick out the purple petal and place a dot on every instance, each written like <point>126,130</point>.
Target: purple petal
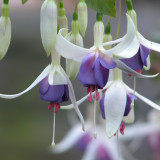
<point>101,73</point>
<point>44,86</point>
<point>86,71</point>
<point>135,62</point>
<point>144,52</point>
<point>107,62</point>
<point>102,107</point>
<point>84,141</point>
<point>128,104</point>
<point>102,153</point>
<point>53,93</point>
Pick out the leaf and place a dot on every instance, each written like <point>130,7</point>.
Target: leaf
<point>24,1</point>
<point>104,6</point>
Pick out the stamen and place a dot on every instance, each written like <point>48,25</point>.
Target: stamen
<point>95,131</point>
<point>54,125</point>
<point>90,98</point>
<point>139,71</point>
<point>57,107</point>
<point>122,128</point>
<point>50,106</point>
<point>97,94</point>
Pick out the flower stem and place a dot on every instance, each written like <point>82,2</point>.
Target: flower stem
<point>119,20</point>
<point>76,4</point>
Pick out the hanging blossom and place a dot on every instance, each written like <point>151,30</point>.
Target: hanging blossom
<point>96,62</point>
<point>117,103</point>
<point>101,148</point>
<point>142,57</point>
<point>55,86</point>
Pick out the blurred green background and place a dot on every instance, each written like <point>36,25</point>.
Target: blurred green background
<point>25,122</point>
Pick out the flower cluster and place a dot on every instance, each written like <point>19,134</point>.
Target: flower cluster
<point>99,69</point>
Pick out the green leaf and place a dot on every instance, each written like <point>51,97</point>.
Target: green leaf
<point>104,6</point>
<point>24,1</point>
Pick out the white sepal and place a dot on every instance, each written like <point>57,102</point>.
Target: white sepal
<point>48,25</point>
<point>38,79</point>
<point>91,151</point>
<point>56,77</point>
<point>69,140</point>
<point>73,99</point>
<point>148,44</point>
<point>68,49</point>
<point>144,99</point>
<point>129,70</point>
<point>5,35</point>
<point>129,46</point>
<point>114,106</point>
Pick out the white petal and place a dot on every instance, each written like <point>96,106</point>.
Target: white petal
<point>129,46</point>
<point>130,118</point>
<point>130,50</point>
<point>38,79</point>
<point>68,49</point>
<point>151,45</point>
<point>56,77</point>
<point>113,42</point>
<point>73,99</point>
<point>69,140</point>
<point>144,99</point>
<point>114,106</point>
<point>128,70</point>
<point>91,150</point>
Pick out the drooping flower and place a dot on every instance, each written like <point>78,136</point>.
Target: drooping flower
<point>96,61</point>
<point>55,87</point>
<point>117,103</point>
<point>101,148</point>
<point>141,59</point>
<point>48,25</point>
<point>5,30</point>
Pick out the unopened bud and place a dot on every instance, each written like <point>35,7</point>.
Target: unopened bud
<point>48,25</point>
<point>62,19</point>
<point>5,30</point>
<point>72,67</point>
<point>82,16</point>
<point>107,36</point>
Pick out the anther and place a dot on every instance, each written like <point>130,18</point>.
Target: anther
<point>122,128</point>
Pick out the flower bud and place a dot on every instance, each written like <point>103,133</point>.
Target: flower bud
<point>107,36</point>
<point>48,25</point>
<point>72,67</point>
<point>82,16</point>
<point>62,19</point>
<point>5,30</point>
<point>98,31</point>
